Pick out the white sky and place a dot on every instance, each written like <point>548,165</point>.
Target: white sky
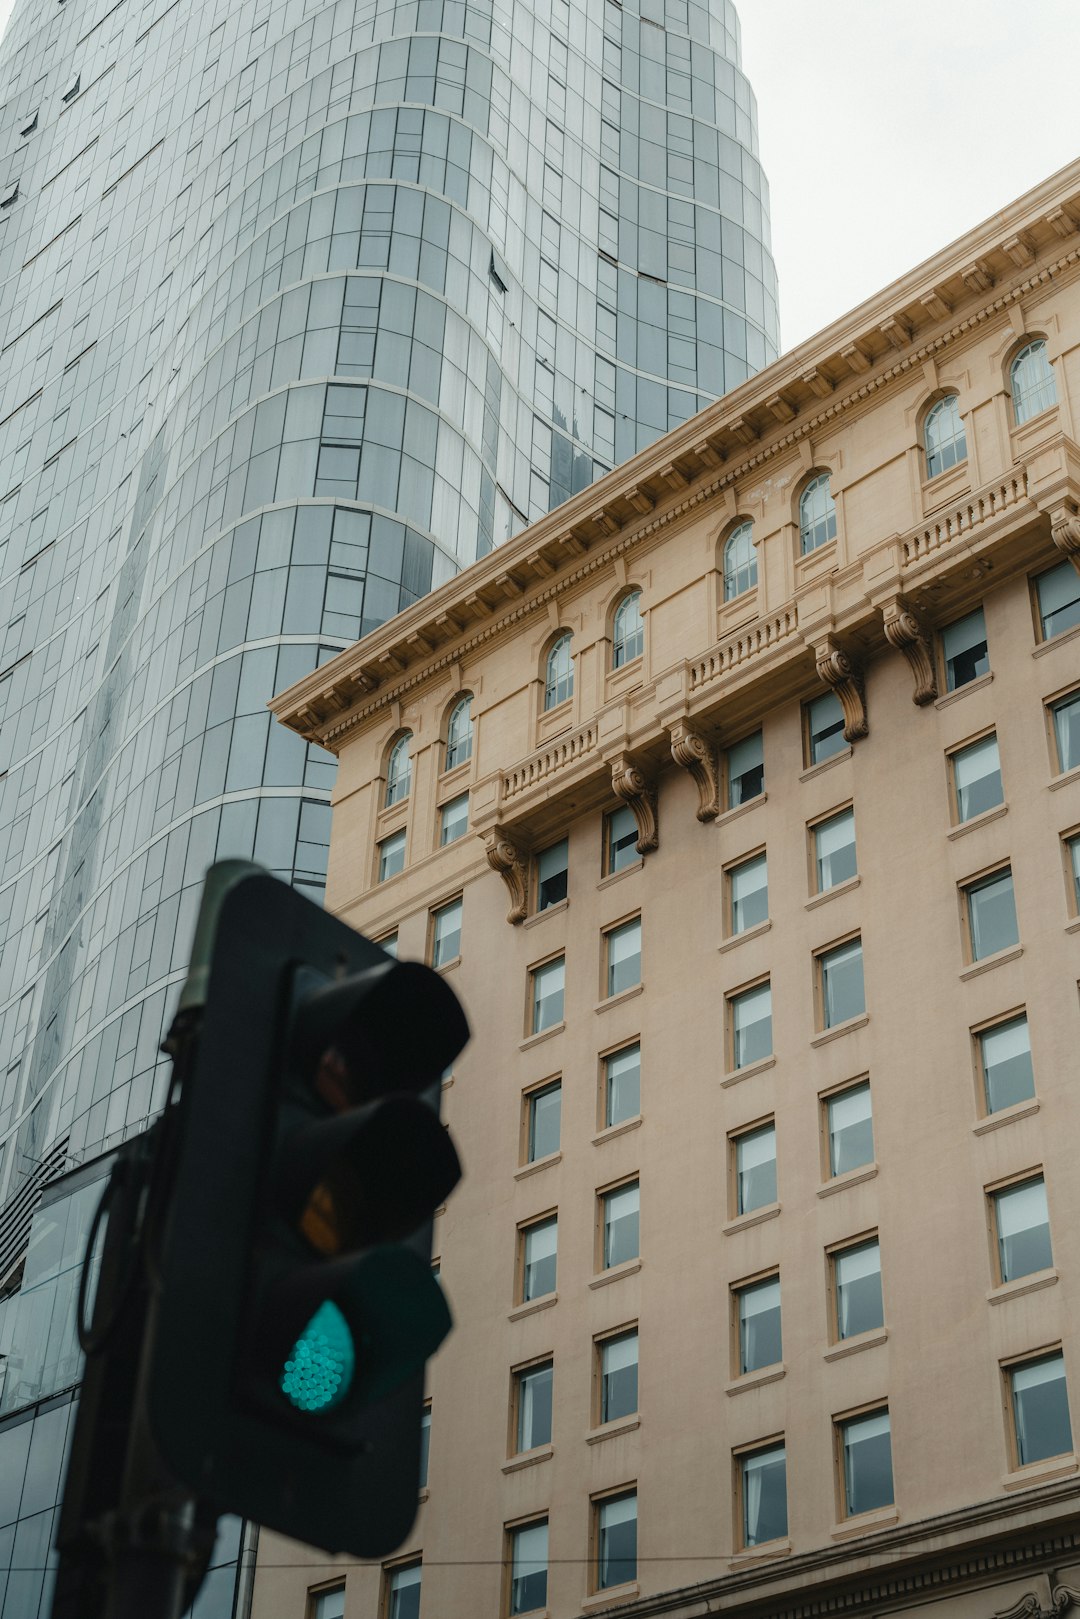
<point>890,127</point>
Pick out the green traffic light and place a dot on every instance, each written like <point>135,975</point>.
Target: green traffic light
<point>319,1371</point>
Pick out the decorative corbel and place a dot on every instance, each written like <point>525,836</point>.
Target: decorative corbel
<point>906,631</point>
<point>631,785</point>
<point>1030,1606</point>
<point>696,754</point>
<point>843,676</point>
<point>1065,533</point>
<point>511,861</point>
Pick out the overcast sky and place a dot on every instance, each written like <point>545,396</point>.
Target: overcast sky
<point>890,127</point>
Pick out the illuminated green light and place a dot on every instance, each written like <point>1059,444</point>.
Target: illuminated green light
<point>319,1371</point>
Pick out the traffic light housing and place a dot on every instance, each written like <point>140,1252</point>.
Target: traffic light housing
<point>294,1305</point>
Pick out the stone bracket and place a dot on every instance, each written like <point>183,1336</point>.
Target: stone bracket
<point>906,630</point>
<point>843,675</point>
<point>511,861</point>
<point>1031,1607</point>
<point>632,786</point>
<point>1065,533</point>
<point>694,752</point>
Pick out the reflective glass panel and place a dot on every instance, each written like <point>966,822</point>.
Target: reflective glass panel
<point>745,770</point>
<point>760,1339</point>
<point>834,850</point>
<point>616,1541</point>
<point>749,894</point>
<point>545,1113</point>
<point>618,1376</point>
<point>548,984</point>
<point>851,1129</point>
<point>1058,594</point>
<point>540,1245</point>
<point>964,649</point>
<point>534,1406</point>
<point>842,993</point>
<point>624,957</point>
<point>1040,1409</point>
<point>1023,1229</point>
<point>1005,1054</point>
<point>977,778</point>
<point>764,1495</point>
<point>755,1169</point>
<point>622,1085</point>
<point>866,1446</point>
<point>992,915</point>
<point>751,1022</point>
<point>528,1567</point>
<point>857,1278</point>
<point>621,1224</point>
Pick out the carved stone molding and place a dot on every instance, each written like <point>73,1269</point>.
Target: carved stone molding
<point>1065,532</point>
<point>697,754</point>
<point>631,784</point>
<point>1030,1607</point>
<point>843,675</point>
<point>511,861</point>
<point>906,631</point>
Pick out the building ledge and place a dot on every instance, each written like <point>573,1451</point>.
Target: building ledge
<point>851,1177</point>
<point>998,959</point>
<point>866,1523</point>
<point>752,1068</point>
<point>549,910</point>
<point>847,1027</point>
<point>614,1130</point>
<point>853,1346</point>
<point>951,697</point>
<point>528,1458</point>
<point>832,893</point>
<point>826,764</point>
<point>1026,1478</point>
<point>976,821</point>
<point>520,1311</point>
<point>615,1273</point>
<point>743,1222</point>
<point>1058,640</point>
<point>1066,779</point>
<point>611,1598</point>
<point>741,809</point>
<point>747,933</point>
<point>537,1164</point>
<point>750,1555</point>
<point>756,1380</point>
<point>618,876</point>
<point>617,1000</point>
<point>611,1430</point>
<point>1006,1115</point>
<point>545,1034</point>
<point>1022,1285</point>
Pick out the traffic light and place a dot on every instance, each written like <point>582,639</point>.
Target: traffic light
<point>293,1303</point>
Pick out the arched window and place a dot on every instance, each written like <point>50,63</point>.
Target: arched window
<point>459,731</point>
<point>817,514</point>
<point>627,631</point>
<point>944,436</point>
<point>740,561</point>
<point>1031,382</point>
<point>399,771</point>
<point>558,673</point>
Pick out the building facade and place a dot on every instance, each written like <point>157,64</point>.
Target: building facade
<point>740,803</point>
<point>304,307</point>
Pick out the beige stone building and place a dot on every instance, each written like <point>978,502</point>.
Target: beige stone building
<point>739,799</point>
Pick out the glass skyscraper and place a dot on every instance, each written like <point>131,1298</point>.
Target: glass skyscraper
<point>304,305</point>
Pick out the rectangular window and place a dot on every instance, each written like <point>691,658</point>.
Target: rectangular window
<point>391,856</point>
<point>616,1540</point>
<point>840,974</point>
<point>403,1592</point>
<point>539,1255</point>
<point>750,1017</point>
<point>824,728</point>
<point>1021,1225</point>
<point>618,1375</point>
<point>865,1445</point>
<point>389,943</point>
<point>963,650</point>
<point>454,820</point>
<point>425,1443</point>
<point>548,984</point>
<point>755,1169</point>
<point>552,869</point>
<point>990,909</point>
<point>757,1320</point>
<point>622,1085</point>
<point>976,778</point>
<point>532,1405</point>
<point>446,933</point>
<point>849,1128</point>
<point>544,1118</point>
<point>1065,715</point>
<point>623,950</point>
<point>745,770</point>
<point>620,1216</point>
<point>834,850</point>
<point>620,840</point>
<point>528,1567</point>
<point>856,1274</point>
<point>1005,1063</point>
<point>1072,872</point>
<point>1057,596</point>
<point>763,1495</point>
<point>748,893</point>
<point>328,1604</point>
<point>1040,1408</point>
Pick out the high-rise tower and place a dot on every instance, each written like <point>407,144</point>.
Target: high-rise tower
<point>303,306</point>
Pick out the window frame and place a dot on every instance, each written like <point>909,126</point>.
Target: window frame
<point>739,1457</point>
<point>766,1122</point>
<point>999,1020</point>
<point>835,1251</point>
<point>533,1223</point>
<point>608,868</point>
<point>528,1098</point>
<point>936,408</point>
<point>945,659</point>
<point>552,681</point>
<point>1070,855</point>
<point>425,1445</point>
<point>389,1570</point>
<point>607,934</point>
<point>991,1193</point>
<point>316,1593</point>
<point>825,1100</point>
<point>1060,700</point>
<point>741,530</point>
<point>538,909</point>
<point>951,756</point>
<point>971,885</point>
<point>604,1058</point>
<point>1030,345</point>
<point>754,798</point>
<point>736,1291</point>
<point>728,873</point>
<point>444,824</point>
<point>535,1363</point>
<point>1038,617</point>
<point>820,955</point>
<point>451,743</point>
<point>807,527</point>
<point>532,1005</point>
<point>394,793</point>
<point>1008,1367</point>
<point>810,703</point>
<point>731,998</point>
<point>603,1195</point>
<point>381,845</point>
<point>840,1423</point>
<point>813,827</point>
<point>597,1502</point>
<point>623,643</point>
<point>433,930</point>
<point>600,1340</point>
<point>510,1531</point>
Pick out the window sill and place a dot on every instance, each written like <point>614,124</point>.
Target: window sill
<point>839,1029</point>
<point>529,1458</point>
<point>831,893</point>
<point>545,1034</point>
<point>537,1164</point>
<point>976,821</point>
<point>424,1495</point>
<point>749,1071</point>
<point>756,1380</point>
<point>741,809</point>
<point>1057,640</point>
<point>629,1267</point>
<point>1026,1478</point>
<point>826,764</point>
<point>611,1597</point>
<point>1066,779</point>
<point>996,960</point>
<point>614,1130</point>
<point>742,1222</point>
<point>850,1177</point>
<point>866,1523</point>
<point>853,1346</point>
<point>1021,1286</point>
<point>1073,926</point>
<point>611,1430</point>
<point>617,1000</point>
<point>822,559</point>
<point>448,966</point>
<point>451,779</point>
<point>627,678</point>
<point>1006,1115</point>
<point>747,933</point>
<point>617,876</point>
<point>520,1311</point>
<point>542,916</point>
<point>964,691</point>
<point>392,817</point>
<point>751,1555</point>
